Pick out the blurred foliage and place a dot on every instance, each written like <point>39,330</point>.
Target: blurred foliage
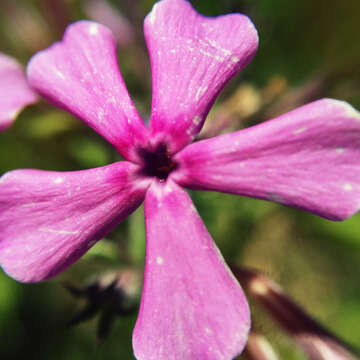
<point>316,261</point>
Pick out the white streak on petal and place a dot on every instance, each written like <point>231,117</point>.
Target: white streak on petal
<point>300,130</point>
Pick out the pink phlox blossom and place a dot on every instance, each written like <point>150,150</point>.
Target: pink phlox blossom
<point>191,306</point>
<point>15,92</point>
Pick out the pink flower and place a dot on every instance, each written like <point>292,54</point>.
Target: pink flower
<point>191,307</point>
<point>14,89</point>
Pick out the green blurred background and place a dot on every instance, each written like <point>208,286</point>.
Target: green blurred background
<point>308,50</point>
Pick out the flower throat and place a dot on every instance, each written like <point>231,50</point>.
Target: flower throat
<point>157,162</point>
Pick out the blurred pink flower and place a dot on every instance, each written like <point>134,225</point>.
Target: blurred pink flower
<point>15,92</point>
<point>191,307</point>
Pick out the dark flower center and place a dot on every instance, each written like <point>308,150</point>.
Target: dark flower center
<point>157,162</point>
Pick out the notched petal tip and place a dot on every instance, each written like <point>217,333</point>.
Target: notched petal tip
<point>80,74</point>
<point>248,38</point>
<point>192,58</point>
<point>43,58</point>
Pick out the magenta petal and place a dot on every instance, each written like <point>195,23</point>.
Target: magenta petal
<point>81,75</point>
<point>192,307</point>
<point>308,158</point>
<point>49,219</point>
<point>192,58</point>
<point>15,92</point>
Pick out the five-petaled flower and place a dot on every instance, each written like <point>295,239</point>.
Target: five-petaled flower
<point>191,307</point>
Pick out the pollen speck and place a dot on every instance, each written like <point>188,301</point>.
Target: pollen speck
<point>93,29</point>
<point>58,180</point>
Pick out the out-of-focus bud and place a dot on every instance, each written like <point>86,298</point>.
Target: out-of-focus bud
<point>244,103</point>
<point>313,89</point>
<point>113,294</point>
<point>102,12</point>
<point>258,348</point>
<point>316,341</point>
<point>276,86</point>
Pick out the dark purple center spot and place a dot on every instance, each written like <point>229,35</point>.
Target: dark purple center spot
<point>157,162</point>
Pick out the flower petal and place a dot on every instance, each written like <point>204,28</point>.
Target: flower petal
<point>307,158</point>
<point>15,92</point>
<point>81,75</point>
<point>191,307</point>
<point>192,59</point>
<point>49,219</point>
